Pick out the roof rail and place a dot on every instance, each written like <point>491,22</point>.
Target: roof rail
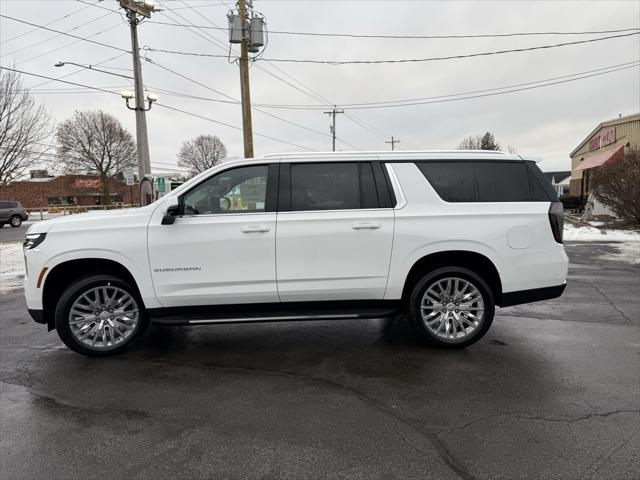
<point>381,152</point>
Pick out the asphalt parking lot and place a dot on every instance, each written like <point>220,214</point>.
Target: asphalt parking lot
<point>11,234</point>
<point>552,391</point>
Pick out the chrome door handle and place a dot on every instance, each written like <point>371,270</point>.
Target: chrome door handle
<point>258,228</point>
<point>365,225</point>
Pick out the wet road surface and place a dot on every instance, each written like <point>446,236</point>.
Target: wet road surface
<point>552,391</point>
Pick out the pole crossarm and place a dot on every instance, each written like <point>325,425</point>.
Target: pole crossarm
<point>393,142</point>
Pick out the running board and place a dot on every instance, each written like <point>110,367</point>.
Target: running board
<point>200,317</point>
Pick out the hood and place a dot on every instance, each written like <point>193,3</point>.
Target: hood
<point>95,219</point>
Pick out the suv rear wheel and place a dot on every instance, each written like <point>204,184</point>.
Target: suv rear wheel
<point>451,307</point>
<point>15,221</point>
<point>100,315</point>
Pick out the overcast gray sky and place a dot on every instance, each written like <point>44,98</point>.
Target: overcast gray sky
<point>546,122</point>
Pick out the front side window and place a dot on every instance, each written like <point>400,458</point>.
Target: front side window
<point>238,190</point>
<point>325,186</point>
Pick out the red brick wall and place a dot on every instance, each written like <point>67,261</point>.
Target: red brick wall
<point>83,187</point>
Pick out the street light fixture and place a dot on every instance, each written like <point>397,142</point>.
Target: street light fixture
<point>129,95</point>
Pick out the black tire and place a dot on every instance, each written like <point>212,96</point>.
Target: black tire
<point>74,292</point>
<point>414,308</point>
<point>15,221</point>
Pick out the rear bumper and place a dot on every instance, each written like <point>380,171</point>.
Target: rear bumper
<point>37,315</point>
<point>534,295</point>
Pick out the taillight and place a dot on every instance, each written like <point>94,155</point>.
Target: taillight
<point>556,220</point>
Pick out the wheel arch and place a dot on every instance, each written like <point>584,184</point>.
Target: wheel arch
<point>64,273</point>
<point>477,262</point>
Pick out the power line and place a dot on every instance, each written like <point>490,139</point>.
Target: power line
<point>319,98</point>
<point>46,24</point>
<point>407,37</point>
<point>404,60</point>
<point>217,42</point>
<point>159,105</point>
<point>57,80</point>
<point>443,100</point>
<point>234,101</point>
<point>387,104</point>
<point>54,36</point>
<point>65,33</point>
<point>234,127</point>
<point>418,101</point>
<point>67,45</point>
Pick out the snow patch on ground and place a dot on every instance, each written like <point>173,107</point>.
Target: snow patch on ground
<point>591,234</point>
<point>11,266</point>
<point>628,252</point>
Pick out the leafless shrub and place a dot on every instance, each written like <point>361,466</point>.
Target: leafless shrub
<point>617,184</point>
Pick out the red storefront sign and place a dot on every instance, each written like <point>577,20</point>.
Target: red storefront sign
<point>603,138</point>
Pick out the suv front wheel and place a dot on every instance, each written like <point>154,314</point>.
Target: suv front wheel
<point>100,315</point>
<point>451,307</point>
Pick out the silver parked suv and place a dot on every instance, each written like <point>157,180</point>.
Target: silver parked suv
<point>13,213</point>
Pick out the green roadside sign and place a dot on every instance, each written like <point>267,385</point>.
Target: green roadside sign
<point>160,184</point>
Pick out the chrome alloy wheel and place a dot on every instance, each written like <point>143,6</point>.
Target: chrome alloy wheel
<point>103,317</point>
<point>452,308</point>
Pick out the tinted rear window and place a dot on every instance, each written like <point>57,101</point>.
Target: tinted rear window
<point>502,182</point>
<point>454,181</point>
<point>484,181</point>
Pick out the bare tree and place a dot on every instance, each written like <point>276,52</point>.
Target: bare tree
<point>96,141</point>
<point>201,153</point>
<point>472,142</point>
<point>23,126</point>
<point>617,184</point>
<point>480,142</point>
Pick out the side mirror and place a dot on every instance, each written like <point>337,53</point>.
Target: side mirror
<point>172,211</point>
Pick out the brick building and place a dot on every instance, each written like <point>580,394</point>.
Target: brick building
<point>80,190</point>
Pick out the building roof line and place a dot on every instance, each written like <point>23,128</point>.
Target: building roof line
<point>607,123</point>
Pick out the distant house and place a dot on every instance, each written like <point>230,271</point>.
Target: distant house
<point>42,190</point>
<point>560,181</point>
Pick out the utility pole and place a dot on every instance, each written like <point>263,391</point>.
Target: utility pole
<point>247,127</point>
<point>332,127</point>
<point>393,143</point>
<point>144,163</point>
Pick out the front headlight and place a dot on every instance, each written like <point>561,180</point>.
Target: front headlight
<point>32,240</point>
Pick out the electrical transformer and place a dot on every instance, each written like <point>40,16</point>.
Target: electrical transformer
<point>235,28</point>
<point>256,32</point>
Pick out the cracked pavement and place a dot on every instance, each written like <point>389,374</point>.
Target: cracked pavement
<point>552,391</point>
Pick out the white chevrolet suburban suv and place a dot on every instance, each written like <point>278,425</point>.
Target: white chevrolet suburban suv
<point>441,236</point>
